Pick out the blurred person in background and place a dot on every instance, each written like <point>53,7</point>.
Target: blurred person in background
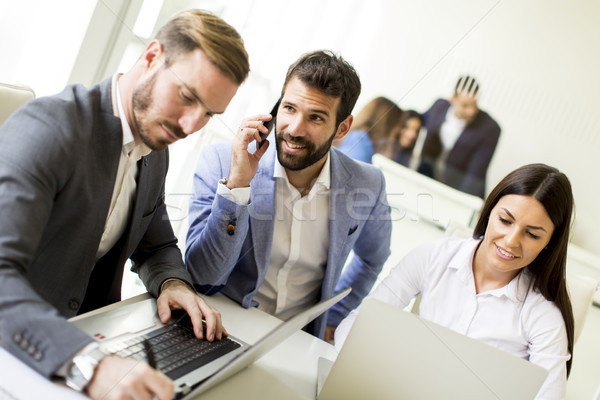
<point>403,140</point>
<point>460,140</point>
<point>371,129</point>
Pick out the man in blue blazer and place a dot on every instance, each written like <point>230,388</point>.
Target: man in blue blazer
<point>82,180</point>
<point>273,227</point>
<point>460,141</point>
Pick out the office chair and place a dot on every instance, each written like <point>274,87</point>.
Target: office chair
<point>581,290</point>
<point>11,98</point>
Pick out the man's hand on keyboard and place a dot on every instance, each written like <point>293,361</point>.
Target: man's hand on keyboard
<point>177,295</point>
<point>125,378</point>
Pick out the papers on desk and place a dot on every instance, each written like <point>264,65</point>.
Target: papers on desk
<point>19,382</point>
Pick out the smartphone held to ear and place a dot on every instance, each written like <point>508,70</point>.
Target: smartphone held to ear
<point>268,124</point>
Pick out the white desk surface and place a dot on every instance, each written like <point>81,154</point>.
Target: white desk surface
<point>289,371</point>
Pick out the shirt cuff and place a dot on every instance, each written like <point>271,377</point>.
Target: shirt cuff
<point>62,371</point>
<point>238,195</point>
<point>162,285</point>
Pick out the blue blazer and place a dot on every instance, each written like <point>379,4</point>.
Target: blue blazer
<point>468,161</point>
<point>235,261</point>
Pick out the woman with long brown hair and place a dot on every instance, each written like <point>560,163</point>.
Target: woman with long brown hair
<point>506,285</point>
<point>371,129</point>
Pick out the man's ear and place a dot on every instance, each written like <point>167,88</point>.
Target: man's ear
<point>344,128</point>
<point>153,56</point>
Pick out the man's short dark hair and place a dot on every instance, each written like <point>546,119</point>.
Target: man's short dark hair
<point>468,85</point>
<point>329,73</point>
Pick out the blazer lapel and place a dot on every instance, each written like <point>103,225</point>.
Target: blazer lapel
<point>339,218</point>
<point>262,209</point>
<point>106,146</point>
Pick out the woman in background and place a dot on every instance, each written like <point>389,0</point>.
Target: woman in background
<point>506,285</point>
<point>371,129</point>
<point>404,139</point>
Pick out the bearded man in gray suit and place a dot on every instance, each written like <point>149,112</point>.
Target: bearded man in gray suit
<point>82,190</point>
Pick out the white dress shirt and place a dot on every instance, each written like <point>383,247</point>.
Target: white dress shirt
<point>450,131</point>
<point>300,243</point>
<point>124,192</point>
<point>512,318</point>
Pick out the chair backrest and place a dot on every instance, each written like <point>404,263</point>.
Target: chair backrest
<point>581,288</point>
<point>13,97</point>
<point>424,198</point>
<point>583,274</point>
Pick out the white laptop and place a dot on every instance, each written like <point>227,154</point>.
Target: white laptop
<point>393,354</point>
<point>134,330</point>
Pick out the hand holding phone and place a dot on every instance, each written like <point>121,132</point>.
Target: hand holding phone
<point>268,124</point>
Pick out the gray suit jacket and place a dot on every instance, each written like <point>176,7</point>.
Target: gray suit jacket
<point>58,161</point>
<point>234,260</point>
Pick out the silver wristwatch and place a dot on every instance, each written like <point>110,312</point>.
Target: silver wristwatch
<point>82,368</point>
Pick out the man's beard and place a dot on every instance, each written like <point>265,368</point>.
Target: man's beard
<point>142,102</point>
<point>295,162</point>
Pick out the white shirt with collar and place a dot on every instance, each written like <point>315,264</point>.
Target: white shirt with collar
<point>512,318</point>
<point>451,129</point>
<point>300,243</point>
<point>124,192</point>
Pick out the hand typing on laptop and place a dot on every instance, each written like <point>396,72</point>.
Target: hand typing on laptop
<point>177,295</point>
<point>123,378</point>
<point>117,377</point>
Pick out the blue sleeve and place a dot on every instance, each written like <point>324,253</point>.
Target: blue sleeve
<point>212,249</point>
<point>358,146</point>
<point>371,251</point>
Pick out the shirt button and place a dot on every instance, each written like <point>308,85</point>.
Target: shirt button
<point>24,343</point>
<point>38,356</point>
<point>31,349</point>
<point>17,338</point>
<point>74,304</point>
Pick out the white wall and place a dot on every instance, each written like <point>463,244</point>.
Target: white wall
<point>537,60</point>
<point>39,41</point>
<point>538,63</point>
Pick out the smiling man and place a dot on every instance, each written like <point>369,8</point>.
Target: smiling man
<point>82,180</point>
<point>272,228</point>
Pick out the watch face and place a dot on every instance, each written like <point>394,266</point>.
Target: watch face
<point>82,369</point>
<point>75,379</point>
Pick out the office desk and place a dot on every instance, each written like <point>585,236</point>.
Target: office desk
<point>289,371</point>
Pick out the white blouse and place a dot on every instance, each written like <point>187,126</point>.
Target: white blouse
<point>512,318</point>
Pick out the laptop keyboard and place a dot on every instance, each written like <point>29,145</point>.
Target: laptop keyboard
<point>174,348</point>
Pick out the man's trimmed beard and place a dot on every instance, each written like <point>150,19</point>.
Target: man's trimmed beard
<point>142,102</point>
<point>296,162</point>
